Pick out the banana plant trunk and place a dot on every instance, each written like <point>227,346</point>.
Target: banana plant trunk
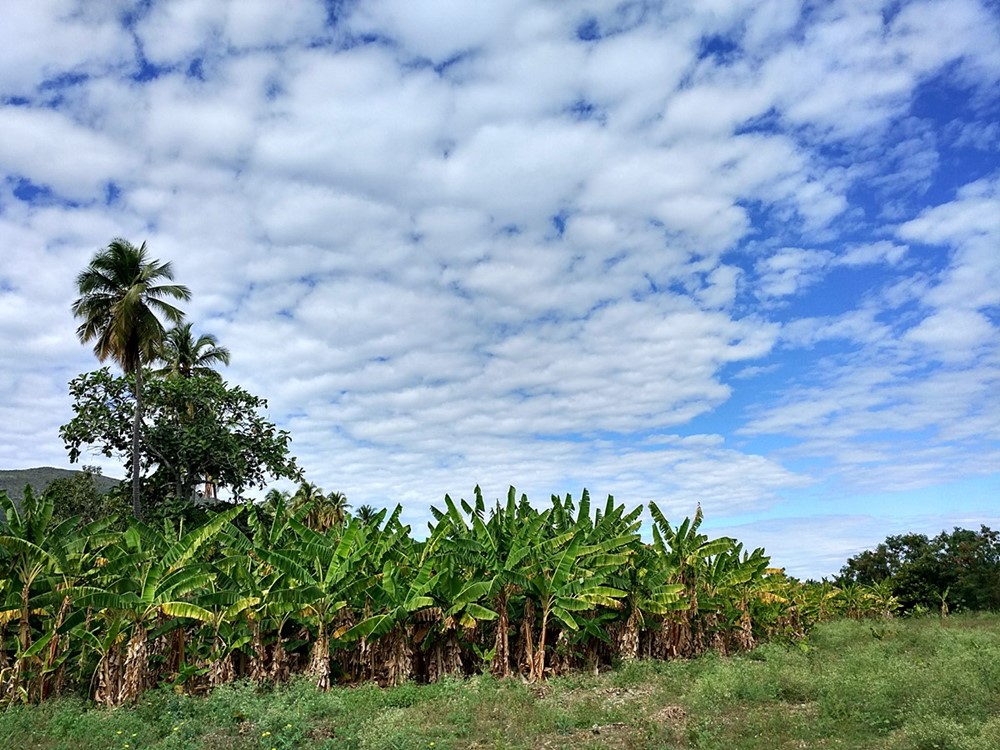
<point>258,654</point>
<point>628,639</point>
<point>527,637</point>
<point>562,662</point>
<point>3,648</point>
<point>501,644</point>
<point>221,671</point>
<point>744,633</point>
<point>399,656</point>
<point>538,664</point>
<point>319,661</point>
<point>109,677</point>
<point>445,658</point>
<point>280,670</point>
<point>53,684</point>
<point>136,667</point>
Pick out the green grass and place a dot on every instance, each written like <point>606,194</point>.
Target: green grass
<point>913,684</point>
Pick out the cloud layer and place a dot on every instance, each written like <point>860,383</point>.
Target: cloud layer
<point>741,255</point>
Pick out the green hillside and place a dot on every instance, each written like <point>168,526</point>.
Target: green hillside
<point>14,480</point>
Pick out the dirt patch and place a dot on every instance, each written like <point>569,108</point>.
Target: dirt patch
<point>616,696</point>
<point>605,736</point>
<point>540,690</point>
<point>670,715</point>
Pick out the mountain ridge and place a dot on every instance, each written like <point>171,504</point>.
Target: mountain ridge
<point>14,480</point>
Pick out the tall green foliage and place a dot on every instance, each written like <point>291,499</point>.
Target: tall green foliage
<point>198,427</point>
<point>122,297</point>
<point>257,592</point>
<point>953,570</point>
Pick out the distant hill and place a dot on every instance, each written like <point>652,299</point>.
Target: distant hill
<point>13,480</point>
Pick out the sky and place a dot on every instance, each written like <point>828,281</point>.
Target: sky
<point>745,255</point>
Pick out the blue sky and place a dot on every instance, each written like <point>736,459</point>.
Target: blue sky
<point>746,255</point>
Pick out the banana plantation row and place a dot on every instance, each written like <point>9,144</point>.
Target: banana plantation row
<point>258,592</point>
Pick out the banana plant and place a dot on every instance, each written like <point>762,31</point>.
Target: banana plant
<point>402,589</point>
<point>687,550</point>
<point>728,584</point>
<point>36,551</point>
<point>153,579</point>
<point>567,574</point>
<point>460,606</point>
<point>651,594</point>
<point>492,551</point>
<point>257,582</point>
<point>322,575</point>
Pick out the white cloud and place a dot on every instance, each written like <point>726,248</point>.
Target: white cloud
<point>46,39</point>
<point>877,252</point>
<point>49,149</point>
<point>177,31</point>
<point>545,262</point>
<point>440,29</point>
<point>954,334</point>
<point>790,270</point>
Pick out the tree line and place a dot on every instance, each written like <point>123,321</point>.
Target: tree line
<point>959,569</point>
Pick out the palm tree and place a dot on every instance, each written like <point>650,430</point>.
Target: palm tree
<point>336,508</point>
<point>182,354</point>
<point>325,511</point>
<point>120,297</point>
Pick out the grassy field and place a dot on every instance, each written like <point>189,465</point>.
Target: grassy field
<point>910,684</point>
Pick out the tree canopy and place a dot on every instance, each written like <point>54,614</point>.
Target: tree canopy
<point>193,428</point>
<point>954,570</point>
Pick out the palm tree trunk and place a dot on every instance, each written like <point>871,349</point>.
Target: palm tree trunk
<point>136,506</point>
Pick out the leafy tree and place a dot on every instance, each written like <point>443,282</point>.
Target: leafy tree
<point>121,294</point>
<point>183,356</point>
<point>79,495</point>
<point>194,427</point>
<point>960,569</point>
